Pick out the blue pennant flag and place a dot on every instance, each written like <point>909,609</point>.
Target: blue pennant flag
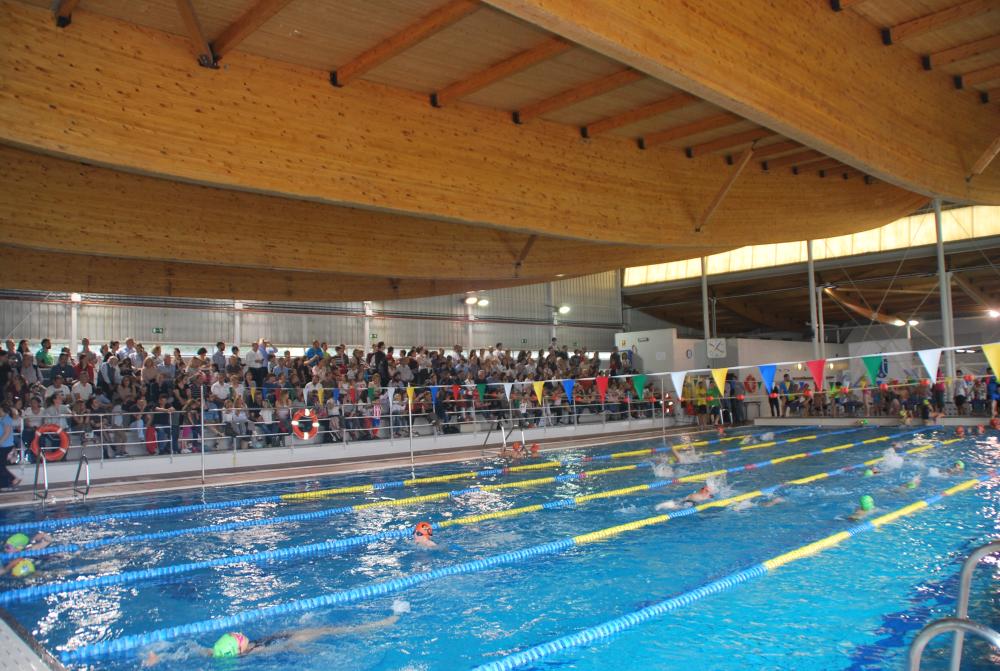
<point>568,386</point>
<point>434,395</point>
<point>767,376</point>
<point>336,394</point>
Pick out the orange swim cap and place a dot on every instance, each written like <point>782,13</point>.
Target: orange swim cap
<point>534,448</point>
<point>424,529</point>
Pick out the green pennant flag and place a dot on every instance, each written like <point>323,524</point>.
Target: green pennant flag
<point>372,393</point>
<point>873,364</point>
<point>639,382</point>
<point>481,388</point>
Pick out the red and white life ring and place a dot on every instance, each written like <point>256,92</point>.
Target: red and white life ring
<point>57,454</point>
<point>305,414</point>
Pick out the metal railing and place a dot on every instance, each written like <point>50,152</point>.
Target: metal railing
<point>964,587</point>
<point>946,624</point>
<point>41,465</point>
<point>77,490</point>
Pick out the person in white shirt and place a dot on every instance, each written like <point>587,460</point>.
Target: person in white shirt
<point>127,350</point>
<point>961,393</point>
<point>82,389</point>
<point>57,387</point>
<point>220,390</point>
<point>311,388</point>
<point>255,363</point>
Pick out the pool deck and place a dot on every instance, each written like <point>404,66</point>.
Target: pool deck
<point>145,484</point>
<point>21,651</point>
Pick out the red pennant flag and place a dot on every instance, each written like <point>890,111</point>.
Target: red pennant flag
<point>456,391</point>
<point>602,387</point>
<point>816,368</point>
<point>354,394</point>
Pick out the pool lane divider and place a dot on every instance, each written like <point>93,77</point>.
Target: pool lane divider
<point>426,498</point>
<point>613,627</point>
<point>57,523</point>
<point>378,589</point>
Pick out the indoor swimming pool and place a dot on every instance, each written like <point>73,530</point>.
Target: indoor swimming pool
<point>594,542</point>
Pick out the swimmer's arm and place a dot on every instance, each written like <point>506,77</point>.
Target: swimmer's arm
<point>152,659</point>
<point>306,635</point>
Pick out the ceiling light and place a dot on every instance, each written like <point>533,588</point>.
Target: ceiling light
<point>483,302</point>
<point>993,314</point>
<point>563,309</point>
<point>470,300</point>
<point>899,322</point>
<point>238,305</point>
<point>913,322</point>
<point>75,297</point>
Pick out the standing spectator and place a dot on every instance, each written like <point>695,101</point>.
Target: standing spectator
<point>64,368</point>
<point>5,370</point>
<point>127,351</point>
<point>256,364</point>
<point>34,417</point>
<point>43,357</point>
<point>960,393</point>
<point>219,357</point>
<point>7,479</point>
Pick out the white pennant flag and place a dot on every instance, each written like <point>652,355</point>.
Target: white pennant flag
<point>931,358</point>
<point>507,386</point>
<point>678,380</point>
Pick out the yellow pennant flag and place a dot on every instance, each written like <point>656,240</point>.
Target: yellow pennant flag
<point>992,353</point>
<point>252,393</point>
<point>539,389</point>
<point>719,375</point>
<point>320,391</point>
<point>409,394</point>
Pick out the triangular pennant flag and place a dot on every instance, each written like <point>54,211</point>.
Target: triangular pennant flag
<point>816,368</point>
<point>507,386</point>
<point>568,386</point>
<point>767,376</point>
<point>992,352</point>
<point>639,382</point>
<point>434,395</point>
<point>336,394</point>
<point>409,394</point>
<point>481,388</point>
<point>353,392</point>
<point>930,358</point>
<point>253,394</point>
<point>539,390</point>
<point>392,392</point>
<point>719,375</point>
<point>372,393</point>
<point>678,381</point>
<point>602,387</point>
<point>873,364</point>
<point>456,391</point>
<point>319,393</point>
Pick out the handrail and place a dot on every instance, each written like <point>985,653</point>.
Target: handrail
<point>82,493</point>
<point>41,464</point>
<point>945,624</point>
<point>964,587</point>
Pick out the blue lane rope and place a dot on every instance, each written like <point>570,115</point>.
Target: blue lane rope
<point>127,643</point>
<point>50,524</point>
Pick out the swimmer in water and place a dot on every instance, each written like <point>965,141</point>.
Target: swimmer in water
<point>422,535</point>
<point>20,542</point>
<point>236,644</point>
<point>773,501</point>
<point>957,468</point>
<point>911,485</point>
<point>871,472</point>
<point>535,450</point>
<point>865,508</point>
<point>700,496</point>
<point>19,568</point>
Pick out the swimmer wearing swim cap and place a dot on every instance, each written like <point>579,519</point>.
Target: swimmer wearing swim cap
<point>20,542</point>
<point>700,496</point>
<point>866,506</point>
<point>912,484</point>
<point>19,568</point>
<point>237,644</point>
<point>957,467</point>
<point>422,535</point>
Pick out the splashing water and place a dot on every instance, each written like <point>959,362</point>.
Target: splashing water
<point>767,437</point>
<point>400,606</point>
<point>663,469</point>
<point>890,460</point>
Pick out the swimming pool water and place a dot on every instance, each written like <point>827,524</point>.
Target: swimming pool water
<point>855,606</point>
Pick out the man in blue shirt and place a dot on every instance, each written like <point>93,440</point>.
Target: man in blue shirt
<point>7,479</point>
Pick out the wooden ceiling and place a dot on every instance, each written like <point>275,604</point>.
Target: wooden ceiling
<point>899,288</point>
<point>490,124</point>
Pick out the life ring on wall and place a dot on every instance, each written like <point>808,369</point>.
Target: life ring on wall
<point>305,414</point>
<point>750,384</point>
<point>57,454</point>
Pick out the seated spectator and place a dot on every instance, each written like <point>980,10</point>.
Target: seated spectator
<point>58,388</point>
<point>64,368</point>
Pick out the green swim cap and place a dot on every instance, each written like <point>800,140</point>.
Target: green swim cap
<point>22,568</point>
<point>867,502</point>
<point>960,465</point>
<point>869,473</point>
<point>911,485</point>
<point>226,646</point>
<point>18,541</point>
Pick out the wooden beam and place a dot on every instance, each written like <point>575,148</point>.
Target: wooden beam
<point>686,130</point>
<point>973,292</point>
<point>63,12</point>
<point>985,158</point>
<point>866,313</point>
<point>240,29</point>
<point>758,316</point>
<point>706,49</point>
<point>961,52</point>
<point>831,165</point>
<point>992,95</point>
<point>841,5</point>
<point>977,76</point>
<point>728,142</point>
<point>550,48</point>
<point>668,104</point>
<point>741,163</point>
<point>199,44</point>
<point>413,34</point>
<point>381,151</point>
<point>939,19</point>
<point>799,158</point>
<point>777,148</point>
<point>848,173</point>
<point>577,94</point>
<point>519,261</point>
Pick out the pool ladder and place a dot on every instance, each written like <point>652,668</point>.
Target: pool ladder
<point>79,491</point>
<point>960,624</point>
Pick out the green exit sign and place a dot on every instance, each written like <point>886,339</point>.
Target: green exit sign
<point>158,330</point>
<point>524,341</point>
<point>373,336</point>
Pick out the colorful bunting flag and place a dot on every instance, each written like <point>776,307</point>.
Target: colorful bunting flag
<point>767,376</point>
<point>816,368</point>
<point>481,390</point>
<point>409,395</point>
<point>456,391</point>
<point>602,387</point>
<point>992,353</point>
<point>930,358</point>
<point>719,375</point>
<point>678,381</point>
<point>507,387</point>
<point>353,393</point>
<point>336,394</point>
<point>873,364</point>
<point>568,386</point>
<point>639,382</point>
<point>539,386</point>
<point>319,392</point>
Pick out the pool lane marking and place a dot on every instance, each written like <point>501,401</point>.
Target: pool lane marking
<point>236,621</point>
<point>50,524</point>
<point>615,626</point>
<point>283,554</point>
<point>407,501</point>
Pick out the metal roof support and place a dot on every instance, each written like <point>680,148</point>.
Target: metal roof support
<point>811,267</point>
<point>704,302</point>
<point>944,281</point>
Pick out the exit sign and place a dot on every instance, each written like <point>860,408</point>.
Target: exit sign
<point>524,341</point>
<point>373,336</point>
<point>157,330</point>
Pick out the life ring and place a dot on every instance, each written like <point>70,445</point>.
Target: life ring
<point>57,454</point>
<point>307,414</point>
<point>750,384</point>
